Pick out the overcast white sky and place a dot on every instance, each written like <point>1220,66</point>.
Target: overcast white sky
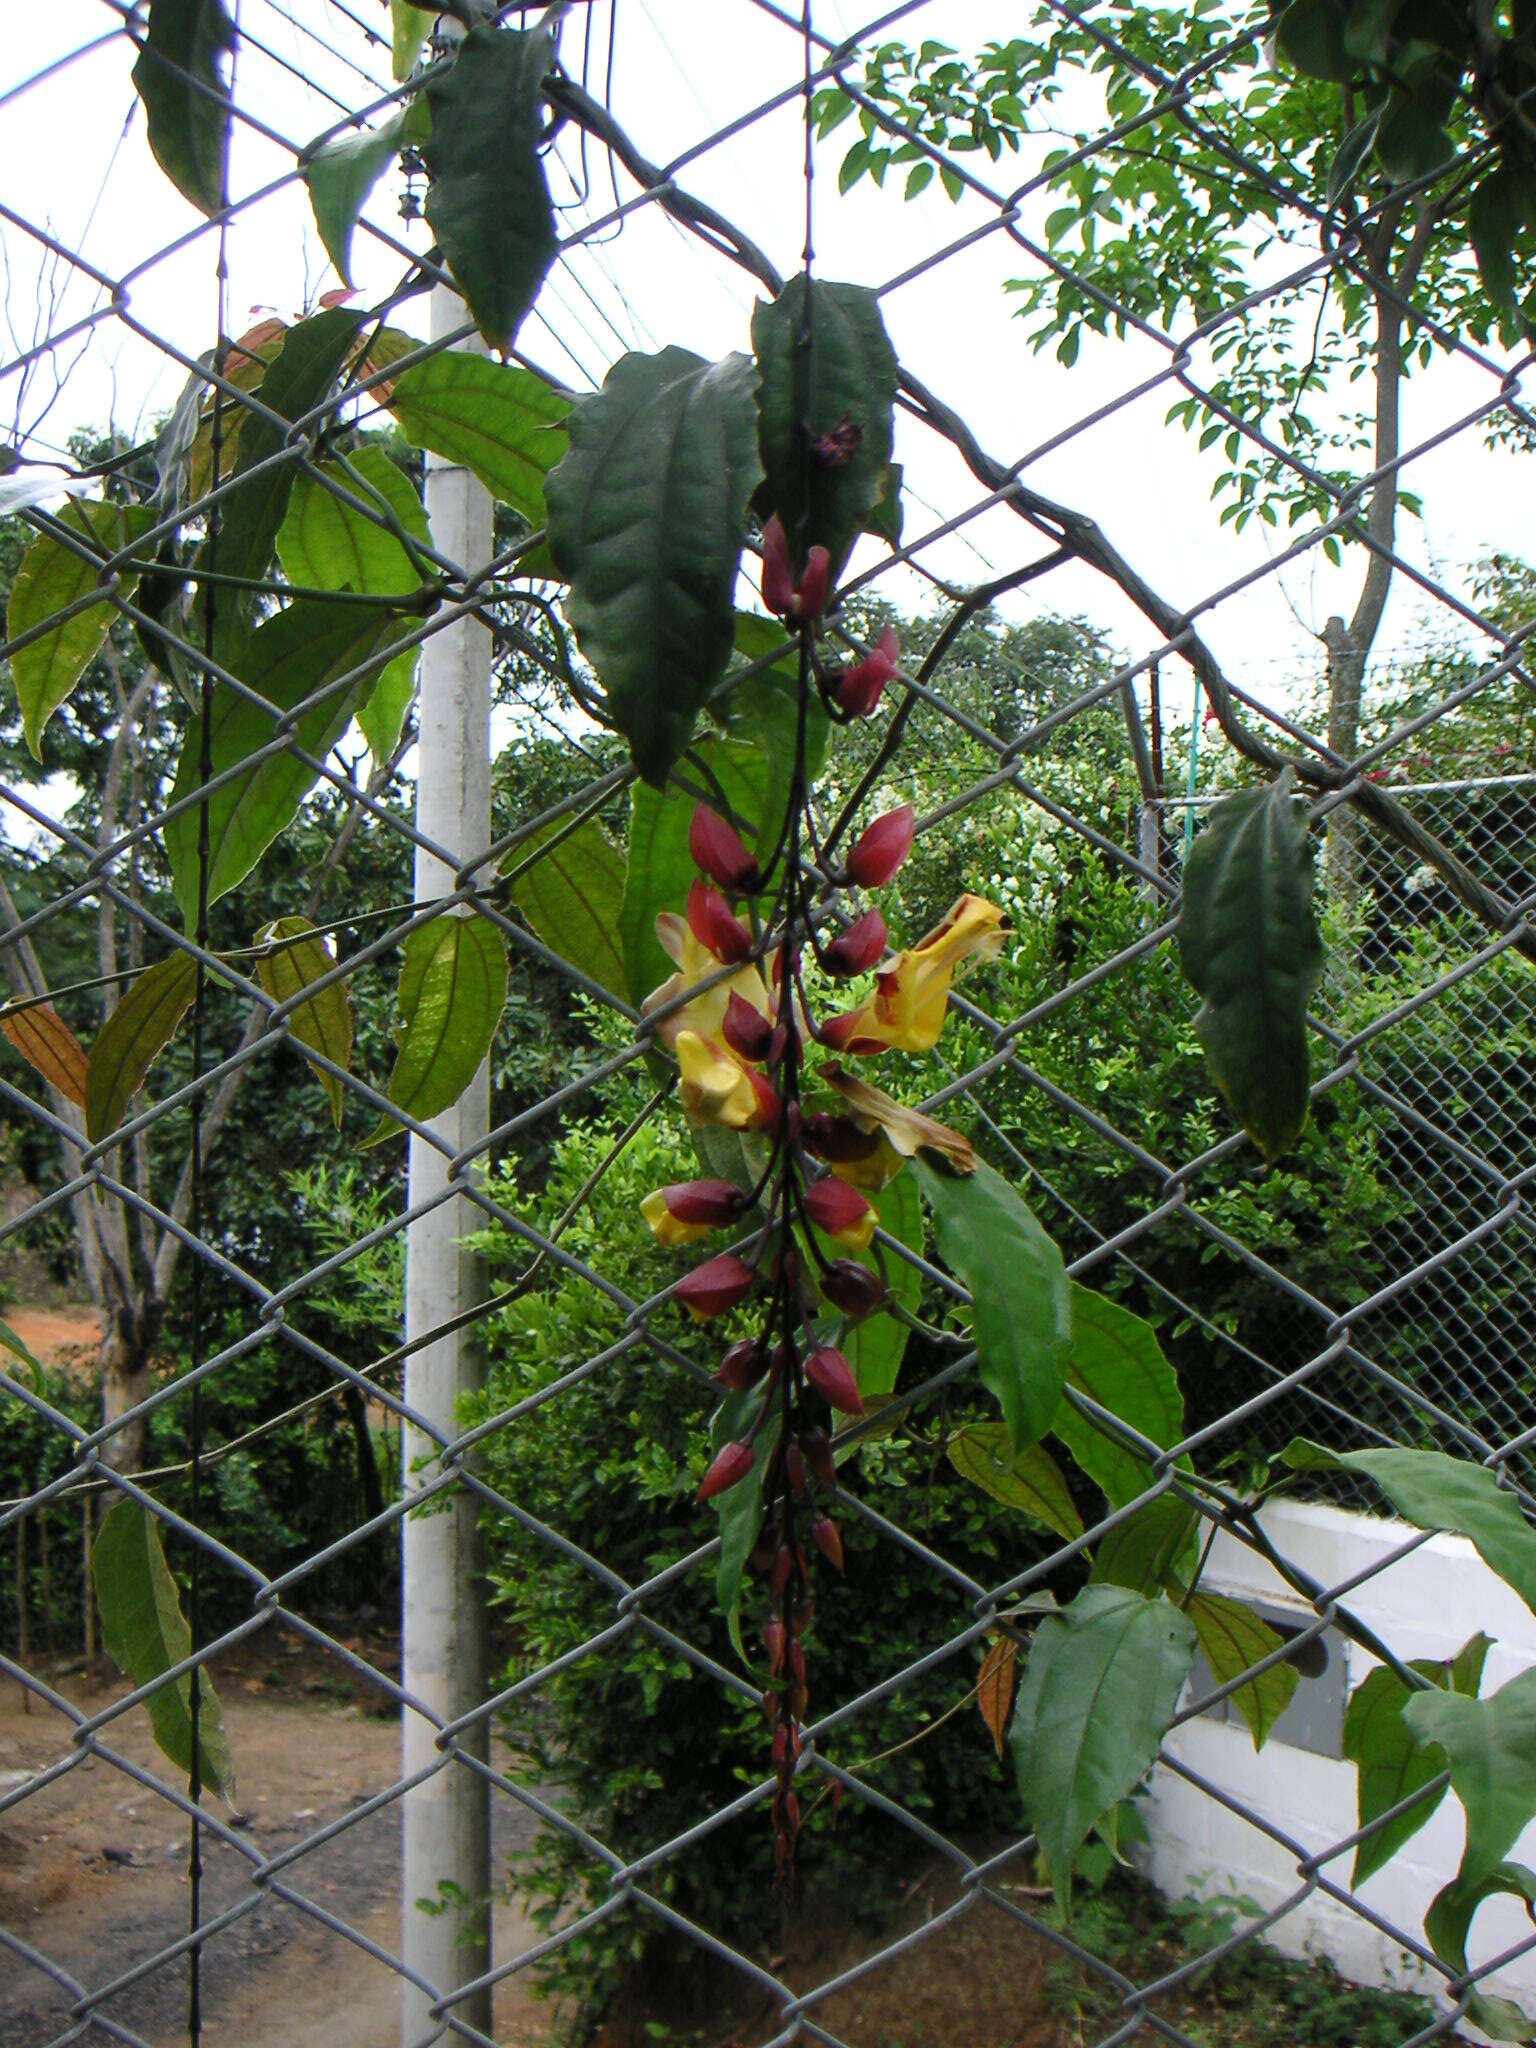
<point>73,159</point>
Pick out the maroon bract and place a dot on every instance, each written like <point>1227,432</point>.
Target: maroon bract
<point>719,852</point>
<point>857,949</point>
<point>880,849</point>
<point>719,1284</point>
<point>716,927</point>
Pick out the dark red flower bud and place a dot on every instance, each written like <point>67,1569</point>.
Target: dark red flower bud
<point>742,1366</point>
<point>778,581</point>
<point>783,1565</point>
<point>880,848</point>
<point>772,1706</point>
<point>796,1662</point>
<point>704,1201</point>
<point>857,949</point>
<point>826,1539</point>
<point>717,930</point>
<point>794,1470</point>
<point>781,1743</point>
<point>817,1446</point>
<point>769,1112</point>
<point>828,1372</point>
<point>860,688</point>
<point>841,1211</point>
<point>837,1799</point>
<point>815,585</point>
<point>838,1139</point>
<point>803,1615</point>
<point>720,1283</point>
<point>787,1811</point>
<point>745,1030</point>
<point>719,851</point>
<point>852,1288</point>
<point>775,1642</point>
<point>730,1466</point>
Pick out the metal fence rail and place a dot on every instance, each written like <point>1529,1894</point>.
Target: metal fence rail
<point>1422,1032</point>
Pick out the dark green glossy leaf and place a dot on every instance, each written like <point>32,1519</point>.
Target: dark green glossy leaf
<point>572,895</point>
<point>1234,1639</point>
<point>1491,1746</point>
<point>1021,1303</point>
<point>298,651</point>
<point>145,1632</point>
<point>502,422</point>
<point>1100,1687</point>
<point>1436,1492</point>
<point>1250,946</point>
<point>1411,138</point>
<point>1117,1362</point>
<point>1311,36</point>
<point>184,84</point>
<point>1503,204</point>
<point>298,379</point>
<point>1029,1480</point>
<point>453,989</point>
<point>1350,155</point>
<point>141,1026</point>
<point>647,514</point>
<point>849,391</point>
<point>300,956</point>
<point>489,204</point>
<point>1390,1763</point>
<point>52,577</point>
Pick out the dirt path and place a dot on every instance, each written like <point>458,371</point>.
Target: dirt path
<point>93,1875</point>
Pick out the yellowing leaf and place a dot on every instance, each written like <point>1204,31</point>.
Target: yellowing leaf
<point>453,988</point>
<point>46,1042</point>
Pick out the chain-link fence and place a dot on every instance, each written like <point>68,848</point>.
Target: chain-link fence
<point>311,1360</point>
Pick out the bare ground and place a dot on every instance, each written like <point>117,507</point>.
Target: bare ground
<point>93,1876</point>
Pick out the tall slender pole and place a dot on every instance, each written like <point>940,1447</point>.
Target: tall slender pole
<point>447,1818</point>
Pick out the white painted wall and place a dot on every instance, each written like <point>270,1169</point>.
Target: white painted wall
<point>1425,1604</point>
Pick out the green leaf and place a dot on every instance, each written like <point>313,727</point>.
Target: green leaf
<point>50,578</point>
<point>185,90</point>
<point>453,989</point>
<point>1491,1745</point>
<point>9,1341</point>
<point>1411,139</point>
<point>328,544</point>
<point>298,379</point>
<point>144,1631</point>
<point>325,543</point>
<point>1350,155</point>
<point>1311,36</point>
<point>740,1507</point>
<point>572,895</point>
<point>489,204</point>
<point>140,1027</point>
<point>410,26</point>
<point>1100,1687</point>
<point>1434,1491</point>
<point>1021,1303</point>
<point>1249,944</point>
<point>1448,1924</point>
<point>1502,204</point>
<point>752,761</point>
<point>325,1020</point>
<point>504,423</point>
<point>1234,1639</point>
<point>1390,1764</point>
<point>1151,1549</point>
<point>886,518</point>
<point>850,387</point>
<point>342,172</point>
<point>1029,1480</point>
<point>875,1347</point>
<point>647,514</point>
<point>291,655</point>
<point>1117,1362</point>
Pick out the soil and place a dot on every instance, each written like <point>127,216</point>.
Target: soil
<point>93,1869</point>
<point>67,1338</point>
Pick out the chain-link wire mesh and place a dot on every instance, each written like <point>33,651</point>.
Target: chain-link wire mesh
<point>1386,1306</point>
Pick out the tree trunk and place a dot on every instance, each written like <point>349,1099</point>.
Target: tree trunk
<point>124,1360</point>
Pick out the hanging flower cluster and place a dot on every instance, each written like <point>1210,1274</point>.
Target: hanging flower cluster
<point>741,1022</point>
